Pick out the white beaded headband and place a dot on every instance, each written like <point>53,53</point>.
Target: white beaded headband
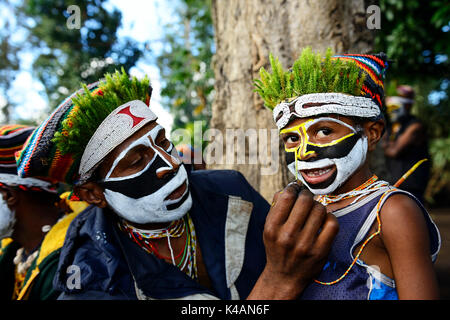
<point>14,180</point>
<point>119,125</point>
<point>334,103</point>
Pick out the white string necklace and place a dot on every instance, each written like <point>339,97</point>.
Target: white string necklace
<point>366,188</point>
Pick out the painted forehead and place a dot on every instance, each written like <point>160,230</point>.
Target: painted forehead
<point>310,105</point>
<point>310,122</point>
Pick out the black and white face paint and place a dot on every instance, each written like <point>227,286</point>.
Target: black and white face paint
<point>142,197</point>
<point>347,154</point>
<point>7,220</point>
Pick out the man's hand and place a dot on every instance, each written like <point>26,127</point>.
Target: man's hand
<point>297,235</point>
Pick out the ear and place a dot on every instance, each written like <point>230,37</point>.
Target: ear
<point>374,131</point>
<point>10,195</point>
<point>92,193</point>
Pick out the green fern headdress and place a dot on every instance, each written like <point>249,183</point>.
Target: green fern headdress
<point>83,129</point>
<point>350,84</point>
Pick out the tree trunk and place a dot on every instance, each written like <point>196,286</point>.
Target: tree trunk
<point>245,33</point>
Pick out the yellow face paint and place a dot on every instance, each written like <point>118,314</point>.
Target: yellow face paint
<point>301,149</point>
<point>302,128</point>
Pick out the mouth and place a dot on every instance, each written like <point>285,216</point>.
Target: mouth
<point>178,192</point>
<point>177,197</point>
<point>318,175</point>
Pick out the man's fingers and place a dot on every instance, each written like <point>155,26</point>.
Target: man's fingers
<point>326,236</point>
<point>283,203</point>
<point>313,223</point>
<point>300,211</point>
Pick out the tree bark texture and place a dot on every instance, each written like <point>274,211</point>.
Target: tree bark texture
<point>246,31</point>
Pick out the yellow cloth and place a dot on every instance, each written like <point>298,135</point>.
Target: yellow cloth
<point>4,243</point>
<point>76,206</point>
<point>53,240</point>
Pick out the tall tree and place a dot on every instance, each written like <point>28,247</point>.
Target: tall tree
<point>246,32</point>
<point>71,53</point>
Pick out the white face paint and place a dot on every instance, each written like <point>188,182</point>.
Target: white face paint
<point>345,165</point>
<point>134,204</point>
<point>7,220</point>
<point>151,208</point>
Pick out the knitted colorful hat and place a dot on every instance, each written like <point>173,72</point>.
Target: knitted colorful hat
<point>12,138</point>
<point>349,84</point>
<point>85,128</point>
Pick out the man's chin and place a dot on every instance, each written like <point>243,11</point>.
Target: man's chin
<point>147,210</point>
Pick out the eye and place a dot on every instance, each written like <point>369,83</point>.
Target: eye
<point>323,132</point>
<point>165,144</point>
<point>291,138</point>
<point>136,161</point>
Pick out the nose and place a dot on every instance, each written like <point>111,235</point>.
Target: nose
<point>302,152</point>
<point>304,155</point>
<point>171,169</point>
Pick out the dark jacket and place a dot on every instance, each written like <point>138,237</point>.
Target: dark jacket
<point>228,215</point>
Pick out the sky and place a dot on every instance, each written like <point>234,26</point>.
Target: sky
<point>141,20</point>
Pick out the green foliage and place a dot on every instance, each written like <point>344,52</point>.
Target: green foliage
<point>411,41</point>
<point>70,56</point>
<point>116,89</point>
<point>185,64</point>
<point>415,34</point>
<point>310,73</point>
<point>9,61</point>
<point>435,114</point>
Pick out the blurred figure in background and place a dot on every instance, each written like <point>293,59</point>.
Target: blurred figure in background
<point>27,215</point>
<point>187,154</point>
<point>406,143</point>
<point>33,224</point>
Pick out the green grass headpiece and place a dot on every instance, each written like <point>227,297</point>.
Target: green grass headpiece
<point>310,73</point>
<point>54,150</point>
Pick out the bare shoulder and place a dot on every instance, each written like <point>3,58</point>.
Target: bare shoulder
<point>401,218</point>
<point>406,238</point>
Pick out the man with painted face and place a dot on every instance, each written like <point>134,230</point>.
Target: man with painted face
<point>328,111</point>
<point>31,226</point>
<point>156,231</point>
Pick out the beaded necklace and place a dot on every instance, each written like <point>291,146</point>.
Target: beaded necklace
<point>23,263</point>
<point>145,239</point>
<point>367,187</point>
